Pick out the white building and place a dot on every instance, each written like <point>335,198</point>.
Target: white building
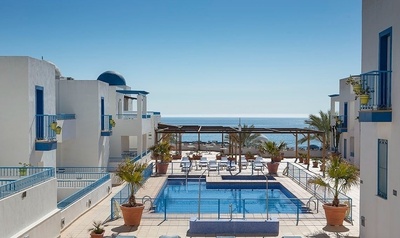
<point>380,120</point>
<point>27,97</point>
<point>50,121</point>
<point>344,120</point>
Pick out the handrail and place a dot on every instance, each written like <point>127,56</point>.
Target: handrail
<point>28,177</point>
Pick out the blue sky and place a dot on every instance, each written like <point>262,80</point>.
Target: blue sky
<point>220,57</point>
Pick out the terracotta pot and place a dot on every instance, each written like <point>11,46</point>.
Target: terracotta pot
<point>94,235</point>
<point>272,167</point>
<point>162,168</point>
<point>176,157</point>
<point>335,215</point>
<point>301,160</point>
<point>276,159</point>
<point>132,215</point>
<point>315,164</point>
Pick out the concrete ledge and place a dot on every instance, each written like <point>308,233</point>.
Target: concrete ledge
<point>233,227</point>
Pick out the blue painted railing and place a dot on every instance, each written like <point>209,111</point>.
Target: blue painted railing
<point>342,126</point>
<point>76,196</point>
<point>43,127</point>
<point>126,116</point>
<point>63,116</point>
<point>60,170</point>
<point>28,176</point>
<point>106,126</point>
<point>80,175</point>
<point>301,177</point>
<point>379,84</point>
<point>123,195</point>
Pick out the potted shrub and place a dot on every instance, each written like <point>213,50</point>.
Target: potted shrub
<point>301,157</point>
<point>197,156</point>
<point>23,171</point>
<point>358,89</point>
<point>315,162</point>
<point>274,150</point>
<point>97,231</point>
<point>249,156</point>
<point>162,156</point>
<point>132,173</point>
<point>176,155</point>
<point>341,176</point>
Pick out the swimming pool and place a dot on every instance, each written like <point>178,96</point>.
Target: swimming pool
<point>179,196</point>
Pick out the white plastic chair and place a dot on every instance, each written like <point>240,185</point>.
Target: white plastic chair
<point>203,162</point>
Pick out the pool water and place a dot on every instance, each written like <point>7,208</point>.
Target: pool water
<point>179,196</point>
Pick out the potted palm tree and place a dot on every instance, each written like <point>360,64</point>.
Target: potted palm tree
<point>162,156</point>
<point>97,231</point>
<point>132,173</point>
<point>341,176</point>
<point>274,150</point>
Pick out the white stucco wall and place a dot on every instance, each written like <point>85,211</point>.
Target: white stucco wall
<point>72,212</point>
<point>381,215</point>
<point>82,98</point>
<point>40,202</point>
<point>19,76</point>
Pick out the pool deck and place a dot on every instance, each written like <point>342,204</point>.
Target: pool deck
<point>154,226</point>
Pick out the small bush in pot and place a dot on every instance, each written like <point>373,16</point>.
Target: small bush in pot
<point>341,176</point>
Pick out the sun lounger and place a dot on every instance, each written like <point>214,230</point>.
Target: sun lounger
<point>243,162</point>
<point>184,160</point>
<point>212,165</point>
<point>186,167</point>
<point>231,166</point>
<point>258,164</point>
<point>203,162</point>
<point>223,162</point>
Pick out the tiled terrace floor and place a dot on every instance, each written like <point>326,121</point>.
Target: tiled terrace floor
<point>153,226</point>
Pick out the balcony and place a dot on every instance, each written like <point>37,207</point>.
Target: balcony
<point>46,129</point>
<point>341,123</point>
<point>107,123</point>
<point>379,106</point>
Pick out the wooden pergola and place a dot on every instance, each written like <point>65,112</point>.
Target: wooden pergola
<point>197,129</point>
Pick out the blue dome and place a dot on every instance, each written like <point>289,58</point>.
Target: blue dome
<point>112,78</point>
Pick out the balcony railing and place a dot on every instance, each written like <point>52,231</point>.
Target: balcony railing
<point>342,123</point>
<point>379,84</point>
<point>106,125</point>
<point>63,116</point>
<point>24,177</point>
<point>44,130</point>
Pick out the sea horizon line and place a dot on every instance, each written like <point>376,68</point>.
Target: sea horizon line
<point>239,115</point>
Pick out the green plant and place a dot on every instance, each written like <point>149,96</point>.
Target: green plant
<point>162,151</point>
<point>132,173</point>
<point>272,148</point>
<point>341,176</point>
<point>97,227</point>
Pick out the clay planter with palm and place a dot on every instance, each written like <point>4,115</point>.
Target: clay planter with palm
<point>341,176</point>
<point>162,156</point>
<point>132,173</point>
<point>97,231</point>
<point>274,150</point>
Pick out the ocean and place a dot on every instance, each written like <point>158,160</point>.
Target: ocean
<point>266,122</point>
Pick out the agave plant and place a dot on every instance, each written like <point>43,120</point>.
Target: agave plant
<point>97,227</point>
<point>341,176</point>
<point>132,173</point>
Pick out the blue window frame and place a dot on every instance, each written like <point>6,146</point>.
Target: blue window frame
<point>385,64</point>
<point>39,95</point>
<point>102,113</point>
<point>344,148</point>
<point>382,168</point>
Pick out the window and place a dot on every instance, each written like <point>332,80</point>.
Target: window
<point>345,148</point>
<point>352,146</point>
<point>382,167</point>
